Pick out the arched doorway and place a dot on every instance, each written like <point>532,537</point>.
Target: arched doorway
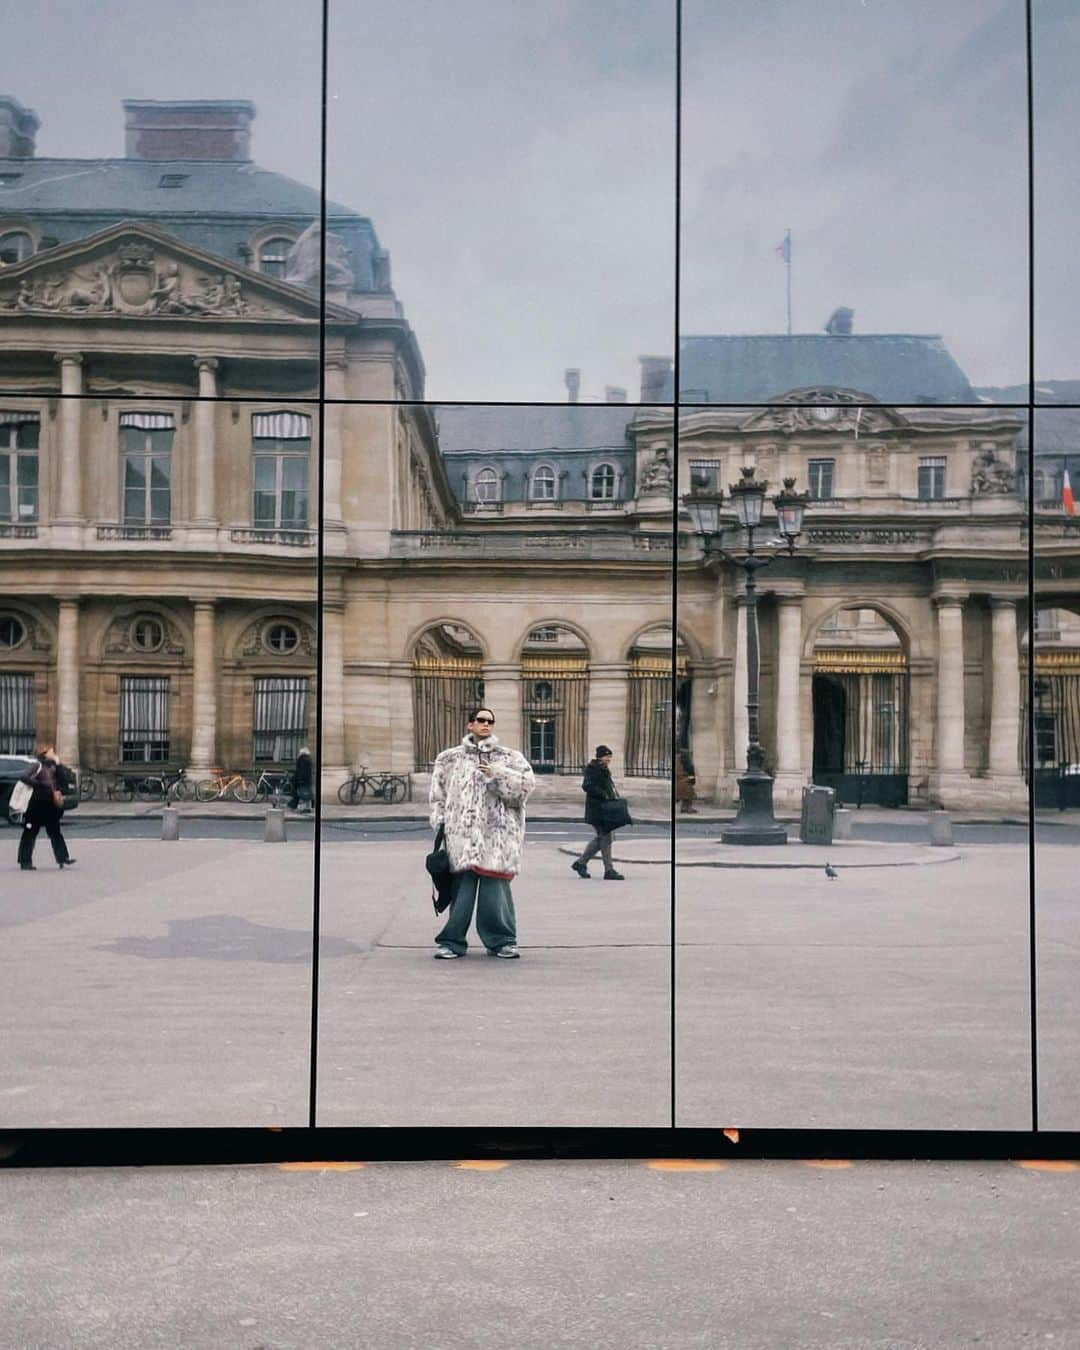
<point>555,699</point>
<point>861,709</point>
<point>448,682</point>
<point>1055,708</point>
<point>648,706</point>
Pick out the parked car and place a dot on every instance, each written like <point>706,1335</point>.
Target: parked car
<point>12,768</point>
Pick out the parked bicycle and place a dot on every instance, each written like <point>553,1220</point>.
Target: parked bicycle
<point>173,786</point>
<point>222,786</point>
<point>387,787</point>
<point>273,786</point>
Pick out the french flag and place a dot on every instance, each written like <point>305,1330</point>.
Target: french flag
<point>1067,503</point>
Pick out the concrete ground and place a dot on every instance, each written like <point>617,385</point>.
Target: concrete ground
<point>632,1255</point>
<point>170,984</point>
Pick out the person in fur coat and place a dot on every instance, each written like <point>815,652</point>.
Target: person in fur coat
<point>478,794</point>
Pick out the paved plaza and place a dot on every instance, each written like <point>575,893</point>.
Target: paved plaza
<point>170,983</point>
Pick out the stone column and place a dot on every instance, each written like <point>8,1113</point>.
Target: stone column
<point>332,751</point>
<point>204,696</point>
<point>67,683</point>
<point>1005,699</point>
<point>740,734</point>
<point>204,419</point>
<point>950,693</point>
<point>789,774</point>
<point>332,446</point>
<point>69,414</point>
<point>608,702</point>
<point>502,694</point>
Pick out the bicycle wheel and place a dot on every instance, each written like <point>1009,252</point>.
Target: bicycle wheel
<point>208,790</point>
<point>244,790</point>
<point>87,787</point>
<point>121,790</point>
<point>351,791</point>
<point>183,790</point>
<point>396,788</point>
<point>149,789</point>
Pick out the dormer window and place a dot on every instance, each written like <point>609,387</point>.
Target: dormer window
<point>486,486</point>
<point>15,247</point>
<point>542,488</point>
<point>273,254</point>
<point>602,483</point>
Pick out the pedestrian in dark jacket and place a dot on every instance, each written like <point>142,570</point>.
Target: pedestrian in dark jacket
<point>303,781</point>
<point>45,808</point>
<point>598,788</point>
<point>685,783</point>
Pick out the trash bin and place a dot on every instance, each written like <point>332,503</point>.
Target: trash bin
<point>816,825</point>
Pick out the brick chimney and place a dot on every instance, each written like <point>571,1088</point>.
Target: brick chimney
<point>18,128</point>
<point>208,129</point>
<point>572,380</point>
<point>656,374</point>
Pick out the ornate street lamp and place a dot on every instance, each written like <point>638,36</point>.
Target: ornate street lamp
<point>755,822</point>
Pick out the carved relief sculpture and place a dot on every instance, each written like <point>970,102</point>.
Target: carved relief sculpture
<point>990,477</point>
<point>656,475</point>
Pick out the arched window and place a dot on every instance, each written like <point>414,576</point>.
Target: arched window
<point>272,255</point>
<point>543,484</point>
<point>602,482</point>
<point>15,247</point>
<point>486,486</point>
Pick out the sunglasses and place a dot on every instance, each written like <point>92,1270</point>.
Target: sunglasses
<point>487,721</point>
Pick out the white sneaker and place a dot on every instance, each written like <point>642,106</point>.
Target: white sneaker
<point>508,953</point>
<point>447,954</point>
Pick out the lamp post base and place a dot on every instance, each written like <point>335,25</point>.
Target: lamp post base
<point>755,823</point>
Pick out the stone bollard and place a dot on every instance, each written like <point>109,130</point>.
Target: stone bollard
<point>275,826</point>
<point>841,823</point>
<point>940,828</point>
<point>170,823</point>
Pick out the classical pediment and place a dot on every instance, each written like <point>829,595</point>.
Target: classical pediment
<point>827,410</point>
<point>139,271</point>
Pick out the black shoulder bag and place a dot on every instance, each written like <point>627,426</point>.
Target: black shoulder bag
<point>438,866</point>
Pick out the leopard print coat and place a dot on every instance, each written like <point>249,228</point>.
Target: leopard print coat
<point>484,817</point>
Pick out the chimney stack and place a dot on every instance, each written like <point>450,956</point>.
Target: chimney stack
<point>656,379</point>
<point>18,129</point>
<point>840,322</point>
<point>206,129</point>
<point>614,393</point>
<point>572,380</point>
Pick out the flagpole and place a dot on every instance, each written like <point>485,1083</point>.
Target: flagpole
<point>787,259</point>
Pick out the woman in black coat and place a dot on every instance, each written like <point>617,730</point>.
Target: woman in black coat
<point>598,788</point>
<point>303,781</point>
<point>46,807</point>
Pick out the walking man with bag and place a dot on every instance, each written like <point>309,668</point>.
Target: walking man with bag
<point>599,788</point>
<point>478,794</point>
<point>45,808</point>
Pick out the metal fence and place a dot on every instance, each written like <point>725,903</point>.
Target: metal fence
<point>1056,713</point>
<point>554,713</point>
<point>861,726</point>
<point>650,691</point>
<point>445,691</point>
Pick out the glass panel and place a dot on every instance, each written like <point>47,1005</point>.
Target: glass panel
<point>554,618</point>
<point>5,487</point>
<point>851,722</point>
<point>134,472</point>
<point>810,171</point>
<point>552,243</point>
<point>134,506</point>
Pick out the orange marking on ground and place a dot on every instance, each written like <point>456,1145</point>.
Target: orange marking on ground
<point>480,1165</point>
<point>321,1166</point>
<point>1048,1165</point>
<point>827,1164</point>
<point>685,1165</point>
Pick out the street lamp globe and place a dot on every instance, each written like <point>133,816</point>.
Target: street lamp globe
<point>704,508</point>
<point>748,498</point>
<point>790,506</point>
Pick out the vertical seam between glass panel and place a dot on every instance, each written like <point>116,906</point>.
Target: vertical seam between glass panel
<point>1029,729</point>
<point>675,536</point>
<point>316,871</point>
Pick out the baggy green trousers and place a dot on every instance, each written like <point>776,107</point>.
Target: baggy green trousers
<point>496,923</point>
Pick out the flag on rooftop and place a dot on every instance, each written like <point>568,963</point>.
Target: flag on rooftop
<point>784,249</point>
<point>1067,503</point>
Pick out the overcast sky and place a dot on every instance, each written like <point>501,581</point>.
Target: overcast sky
<point>518,161</point>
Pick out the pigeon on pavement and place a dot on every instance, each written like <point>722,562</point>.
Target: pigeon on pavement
<point>830,871</point>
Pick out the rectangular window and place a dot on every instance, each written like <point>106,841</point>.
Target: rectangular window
<point>146,450</point>
<point>820,473</point>
<point>1046,738</point>
<point>931,478</point>
<point>282,449</point>
<point>18,468</point>
<point>16,714</point>
<point>280,718</point>
<point>144,719</point>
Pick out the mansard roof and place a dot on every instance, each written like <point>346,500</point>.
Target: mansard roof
<point>569,426</point>
<point>890,367</point>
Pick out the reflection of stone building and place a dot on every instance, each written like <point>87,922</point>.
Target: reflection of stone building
<point>161,441</point>
<point>890,663</point>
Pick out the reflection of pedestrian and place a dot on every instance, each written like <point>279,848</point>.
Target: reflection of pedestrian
<point>46,807</point>
<point>303,781</point>
<point>685,791</point>
<point>598,788</point>
<point>478,794</point>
